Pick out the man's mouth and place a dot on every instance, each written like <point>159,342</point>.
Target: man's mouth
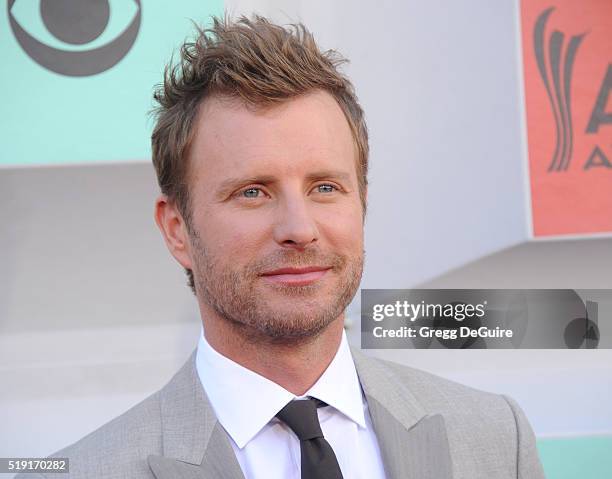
<point>296,276</point>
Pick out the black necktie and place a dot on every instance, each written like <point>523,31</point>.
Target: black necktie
<point>318,458</point>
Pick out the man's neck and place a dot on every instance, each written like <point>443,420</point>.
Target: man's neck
<point>295,366</point>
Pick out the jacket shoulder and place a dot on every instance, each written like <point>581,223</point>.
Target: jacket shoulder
<point>486,431</point>
<point>119,448</point>
<point>437,394</point>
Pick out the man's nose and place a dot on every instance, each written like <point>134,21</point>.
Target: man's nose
<point>295,226</point>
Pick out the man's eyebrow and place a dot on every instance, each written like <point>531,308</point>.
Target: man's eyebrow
<point>324,174</point>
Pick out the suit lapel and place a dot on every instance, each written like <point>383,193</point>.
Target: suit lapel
<point>413,444</point>
<point>194,444</point>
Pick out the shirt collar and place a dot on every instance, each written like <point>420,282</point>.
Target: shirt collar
<point>244,401</point>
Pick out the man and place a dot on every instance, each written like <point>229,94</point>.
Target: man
<point>261,153</point>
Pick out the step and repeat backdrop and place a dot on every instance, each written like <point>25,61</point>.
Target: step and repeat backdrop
<point>567,55</point>
<point>76,87</point>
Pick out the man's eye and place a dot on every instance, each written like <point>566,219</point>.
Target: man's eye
<point>326,188</point>
<point>251,192</point>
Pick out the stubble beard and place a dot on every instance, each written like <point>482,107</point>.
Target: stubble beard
<point>274,313</point>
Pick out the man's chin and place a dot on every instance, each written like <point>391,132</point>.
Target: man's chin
<point>296,317</point>
<point>290,328</point>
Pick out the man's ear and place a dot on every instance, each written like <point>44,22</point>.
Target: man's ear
<point>174,230</point>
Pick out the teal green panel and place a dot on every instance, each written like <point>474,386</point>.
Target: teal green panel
<point>577,457</point>
<point>50,118</point>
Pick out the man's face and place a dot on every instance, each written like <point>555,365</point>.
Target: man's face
<point>277,223</point>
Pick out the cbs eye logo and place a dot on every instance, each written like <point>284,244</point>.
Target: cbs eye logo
<point>77,32</point>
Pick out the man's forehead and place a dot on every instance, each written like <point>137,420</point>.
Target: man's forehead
<point>299,136</point>
<point>317,112</point>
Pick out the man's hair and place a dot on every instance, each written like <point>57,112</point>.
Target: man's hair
<point>258,63</point>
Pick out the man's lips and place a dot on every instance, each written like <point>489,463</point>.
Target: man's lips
<point>296,276</point>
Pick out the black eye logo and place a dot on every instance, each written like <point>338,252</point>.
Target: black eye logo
<point>76,23</point>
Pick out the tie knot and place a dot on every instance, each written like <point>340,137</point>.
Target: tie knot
<point>301,416</point>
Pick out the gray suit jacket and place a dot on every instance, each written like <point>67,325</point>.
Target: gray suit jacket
<point>427,428</point>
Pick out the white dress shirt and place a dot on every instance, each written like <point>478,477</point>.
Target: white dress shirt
<point>246,404</point>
